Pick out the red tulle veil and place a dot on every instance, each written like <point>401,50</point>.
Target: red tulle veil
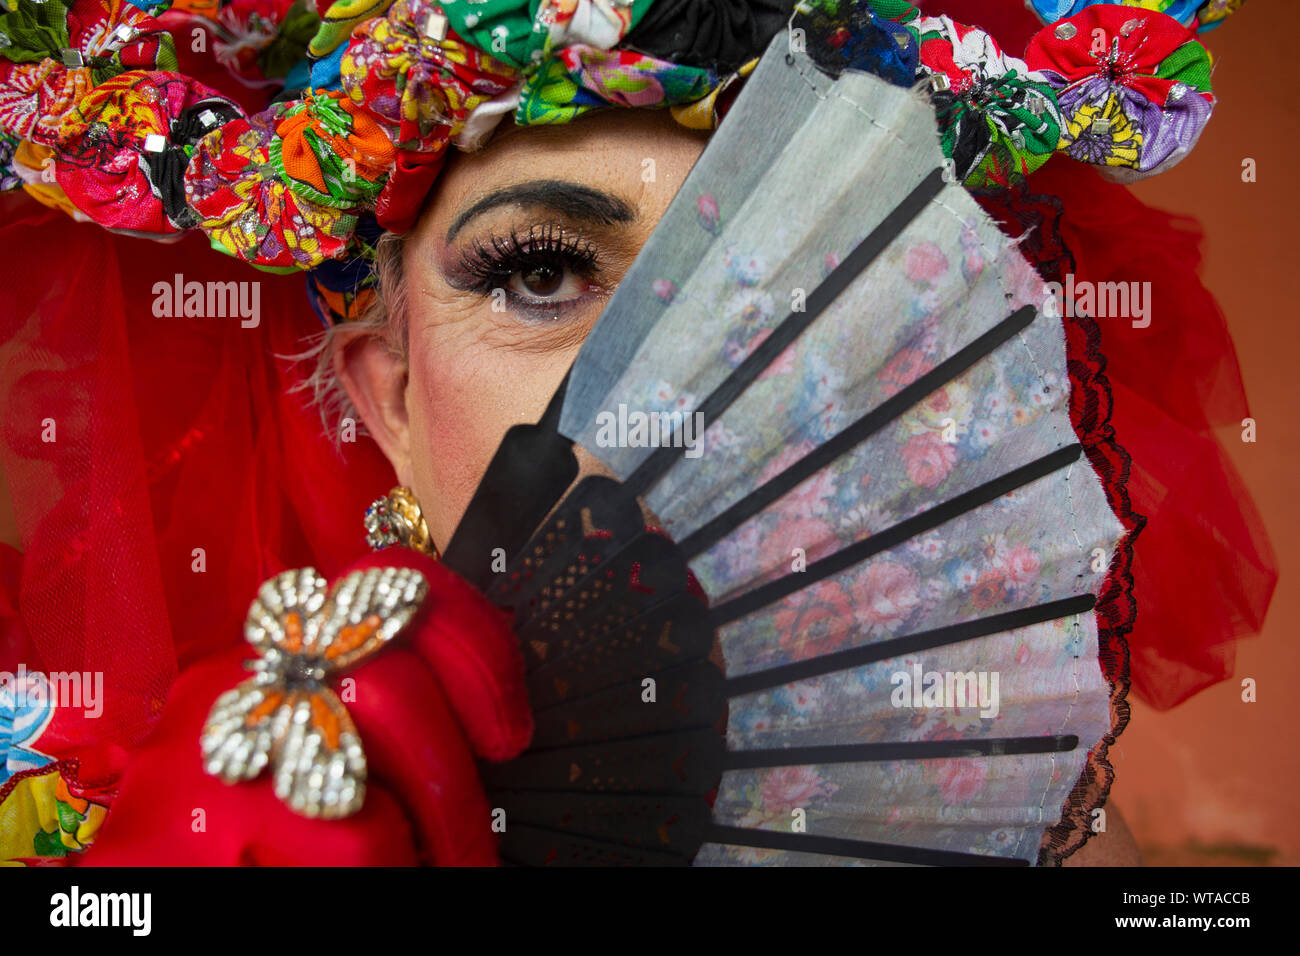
<point>183,470</point>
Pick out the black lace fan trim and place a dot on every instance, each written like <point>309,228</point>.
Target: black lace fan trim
<point>1034,219</point>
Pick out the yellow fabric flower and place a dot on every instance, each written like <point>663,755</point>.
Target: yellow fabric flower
<point>40,809</point>
<point>1101,135</point>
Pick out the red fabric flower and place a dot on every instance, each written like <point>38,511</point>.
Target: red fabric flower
<point>35,98</point>
<point>1076,49</point>
<point>118,156</point>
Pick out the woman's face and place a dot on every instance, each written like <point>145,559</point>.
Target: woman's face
<point>516,253</point>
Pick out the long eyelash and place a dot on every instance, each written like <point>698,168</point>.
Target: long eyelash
<point>541,245</point>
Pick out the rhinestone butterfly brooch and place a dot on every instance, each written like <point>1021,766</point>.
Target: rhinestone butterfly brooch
<point>286,715</point>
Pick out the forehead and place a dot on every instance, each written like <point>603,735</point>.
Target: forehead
<point>612,147</point>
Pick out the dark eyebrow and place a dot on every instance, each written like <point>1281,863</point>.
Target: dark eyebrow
<point>572,199</point>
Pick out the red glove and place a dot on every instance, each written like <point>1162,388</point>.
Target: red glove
<point>451,686</point>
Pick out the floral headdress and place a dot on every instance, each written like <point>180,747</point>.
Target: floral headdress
<point>101,115</point>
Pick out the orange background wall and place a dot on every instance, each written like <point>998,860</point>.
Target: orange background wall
<point>1215,780</point>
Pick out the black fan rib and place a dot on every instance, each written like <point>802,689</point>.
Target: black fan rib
<point>859,849</point>
<point>909,644</point>
<point>899,750</point>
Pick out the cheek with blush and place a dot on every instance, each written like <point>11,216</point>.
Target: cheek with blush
<point>462,395</point>
<point>453,427</point>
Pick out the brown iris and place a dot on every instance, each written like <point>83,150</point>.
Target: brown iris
<point>543,280</point>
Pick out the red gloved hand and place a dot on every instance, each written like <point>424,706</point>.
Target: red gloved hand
<point>450,687</point>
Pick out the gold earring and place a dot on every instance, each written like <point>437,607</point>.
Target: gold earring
<point>396,519</point>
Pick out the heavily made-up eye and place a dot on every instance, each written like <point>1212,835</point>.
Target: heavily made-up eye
<point>543,273</point>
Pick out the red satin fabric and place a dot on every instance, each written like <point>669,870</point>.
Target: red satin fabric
<point>451,691</point>
<point>169,812</point>
<point>1010,23</point>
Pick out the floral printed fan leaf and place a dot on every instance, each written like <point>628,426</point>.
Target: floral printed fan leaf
<point>888,484</point>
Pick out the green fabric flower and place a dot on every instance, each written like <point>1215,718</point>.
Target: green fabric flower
<point>290,43</point>
<point>38,31</point>
<point>507,29</point>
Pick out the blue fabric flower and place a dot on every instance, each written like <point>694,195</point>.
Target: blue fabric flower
<point>322,74</point>
<point>25,711</point>
<point>851,37</point>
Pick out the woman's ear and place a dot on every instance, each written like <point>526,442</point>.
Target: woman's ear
<point>375,377</point>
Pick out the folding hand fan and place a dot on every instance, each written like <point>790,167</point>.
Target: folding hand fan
<point>828,377</point>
